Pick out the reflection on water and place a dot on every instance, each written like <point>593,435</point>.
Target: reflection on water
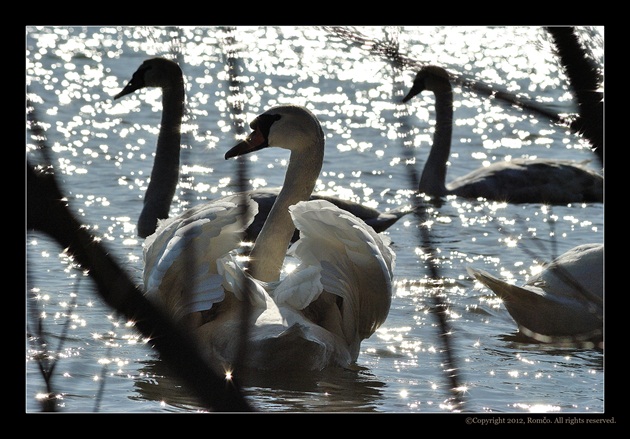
<point>103,153</point>
<point>334,390</point>
<point>586,352</point>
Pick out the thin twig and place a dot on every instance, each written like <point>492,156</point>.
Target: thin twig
<point>439,308</point>
<point>385,50</point>
<point>235,104</point>
<point>48,212</point>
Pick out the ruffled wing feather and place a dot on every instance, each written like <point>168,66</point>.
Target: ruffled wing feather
<point>180,258</point>
<point>355,264</point>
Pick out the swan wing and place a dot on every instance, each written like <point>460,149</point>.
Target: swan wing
<point>180,257</point>
<point>577,273</point>
<point>354,263</point>
<point>280,337</point>
<point>300,288</point>
<point>235,280</point>
<point>374,218</point>
<point>379,221</point>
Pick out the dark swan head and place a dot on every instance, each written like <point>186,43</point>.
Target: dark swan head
<point>430,78</point>
<point>154,72</point>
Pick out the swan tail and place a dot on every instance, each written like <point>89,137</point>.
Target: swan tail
<point>539,312</point>
<point>527,308</point>
<point>504,290</point>
<point>519,301</point>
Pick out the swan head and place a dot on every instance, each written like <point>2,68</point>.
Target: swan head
<point>430,78</point>
<point>154,72</point>
<point>287,126</point>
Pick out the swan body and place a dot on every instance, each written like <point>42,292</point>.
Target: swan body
<point>314,317</point>
<point>563,300</point>
<point>167,75</point>
<point>378,220</point>
<point>515,181</point>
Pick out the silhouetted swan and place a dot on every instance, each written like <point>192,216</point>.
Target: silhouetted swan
<point>317,315</point>
<point>565,300</point>
<point>166,74</point>
<point>514,181</point>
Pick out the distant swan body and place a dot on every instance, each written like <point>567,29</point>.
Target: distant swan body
<point>314,317</point>
<point>564,300</point>
<point>167,75</point>
<point>515,181</point>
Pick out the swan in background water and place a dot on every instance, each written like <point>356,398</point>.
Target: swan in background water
<point>167,75</point>
<point>311,318</point>
<point>564,301</point>
<point>514,181</point>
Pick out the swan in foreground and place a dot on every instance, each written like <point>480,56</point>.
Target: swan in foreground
<point>167,75</point>
<point>564,301</point>
<point>311,318</point>
<point>514,181</point>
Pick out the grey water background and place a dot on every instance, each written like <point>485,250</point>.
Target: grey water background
<point>103,153</point>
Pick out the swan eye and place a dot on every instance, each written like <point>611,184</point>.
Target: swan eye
<point>263,123</point>
<point>136,82</point>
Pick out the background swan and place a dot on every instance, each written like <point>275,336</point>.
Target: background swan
<point>564,300</point>
<point>314,317</point>
<point>167,75</point>
<point>514,181</point>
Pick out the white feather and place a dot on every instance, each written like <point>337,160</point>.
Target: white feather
<point>314,317</point>
<point>564,300</point>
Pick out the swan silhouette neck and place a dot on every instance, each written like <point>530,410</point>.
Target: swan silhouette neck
<point>165,173</point>
<point>268,253</point>
<point>433,179</point>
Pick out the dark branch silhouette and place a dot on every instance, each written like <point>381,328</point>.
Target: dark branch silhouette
<point>438,307</point>
<point>233,65</point>
<point>48,212</point>
<point>585,82</point>
<point>384,49</point>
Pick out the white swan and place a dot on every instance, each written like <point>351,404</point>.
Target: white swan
<point>314,317</point>
<point>167,75</point>
<point>565,300</point>
<point>514,181</point>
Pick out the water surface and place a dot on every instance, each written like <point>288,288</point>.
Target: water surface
<point>103,151</point>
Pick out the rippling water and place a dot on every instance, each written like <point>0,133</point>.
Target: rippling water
<point>102,153</point>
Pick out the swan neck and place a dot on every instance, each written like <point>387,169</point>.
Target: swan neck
<point>165,172</point>
<point>270,248</point>
<point>433,179</point>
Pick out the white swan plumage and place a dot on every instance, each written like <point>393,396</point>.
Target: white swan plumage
<point>314,317</point>
<point>167,75</point>
<point>518,180</point>
<point>565,300</point>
